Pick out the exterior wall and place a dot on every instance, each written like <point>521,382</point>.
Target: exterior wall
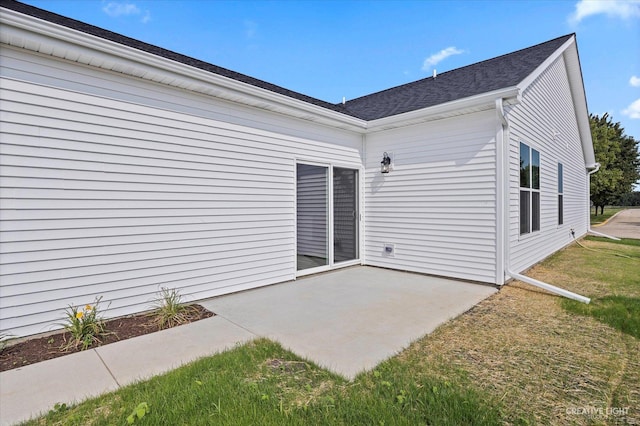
<point>438,204</point>
<point>115,187</point>
<point>546,121</point>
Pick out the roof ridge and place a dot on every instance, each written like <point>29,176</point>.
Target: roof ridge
<point>567,36</point>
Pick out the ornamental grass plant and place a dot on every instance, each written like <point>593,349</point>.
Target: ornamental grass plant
<point>169,310</point>
<point>4,339</point>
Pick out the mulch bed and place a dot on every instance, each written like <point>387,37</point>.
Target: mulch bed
<point>39,349</point>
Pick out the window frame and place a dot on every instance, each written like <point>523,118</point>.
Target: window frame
<point>560,194</point>
<point>529,190</point>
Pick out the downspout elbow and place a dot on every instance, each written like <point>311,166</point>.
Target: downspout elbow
<point>501,114</point>
<point>551,288</point>
<point>595,167</point>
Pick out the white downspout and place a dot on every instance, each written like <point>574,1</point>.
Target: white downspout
<point>361,207</point>
<point>595,168</point>
<point>549,287</point>
<point>505,203</point>
<point>502,188</point>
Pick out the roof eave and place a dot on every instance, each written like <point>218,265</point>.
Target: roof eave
<point>32,33</point>
<point>579,97</point>
<point>481,102</point>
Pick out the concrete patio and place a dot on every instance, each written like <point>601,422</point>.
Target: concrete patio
<point>347,320</point>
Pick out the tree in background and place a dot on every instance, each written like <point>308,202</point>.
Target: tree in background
<point>619,162</point>
<point>631,199</point>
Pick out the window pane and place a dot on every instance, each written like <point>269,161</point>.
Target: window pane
<point>345,214</point>
<point>560,210</point>
<point>524,166</point>
<point>560,179</point>
<point>524,212</point>
<point>535,169</point>
<point>312,216</point>
<point>535,211</point>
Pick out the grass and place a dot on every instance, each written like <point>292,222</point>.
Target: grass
<point>619,307</point>
<point>522,356</point>
<point>609,211</point>
<point>620,312</point>
<point>624,241</point>
<point>261,383</point>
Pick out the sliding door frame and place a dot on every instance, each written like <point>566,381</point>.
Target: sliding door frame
<point>330,223</point>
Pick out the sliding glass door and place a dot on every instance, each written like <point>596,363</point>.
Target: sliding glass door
<point>312,216</point>
<point>345,214</point>
<point>327,216</point>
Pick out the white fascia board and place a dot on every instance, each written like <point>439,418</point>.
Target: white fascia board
<point>509,94</point>
<point>569,52</point>
<point>576,83</point>
<point>524,84</point>
<point>15,24</point>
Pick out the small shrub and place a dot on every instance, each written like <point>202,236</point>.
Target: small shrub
<point>85,325</point>
<point>169,310</point>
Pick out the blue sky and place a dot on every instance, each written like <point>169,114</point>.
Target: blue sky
<point>333,49</point>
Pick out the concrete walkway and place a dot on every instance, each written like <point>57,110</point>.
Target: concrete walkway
<point>625,224</point>
<point>347,320</point>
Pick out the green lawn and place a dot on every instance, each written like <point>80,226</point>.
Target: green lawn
<point>619,307</point>
<point>262,384</point>
<point>522,356</point>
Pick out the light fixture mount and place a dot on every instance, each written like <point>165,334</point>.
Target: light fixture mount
<point>385,164</point>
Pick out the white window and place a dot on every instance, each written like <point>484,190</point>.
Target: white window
<point>529,189</point>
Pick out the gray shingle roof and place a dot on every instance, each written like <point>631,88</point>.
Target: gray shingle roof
<point>497,73</point>
<point>482,77</point>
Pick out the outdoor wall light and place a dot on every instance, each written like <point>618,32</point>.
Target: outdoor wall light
<point>385,164</point>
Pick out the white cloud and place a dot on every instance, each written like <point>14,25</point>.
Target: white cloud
<point>624,9</point>
<point>436,58</point>
<point>116,9</point>
<point>634,81</point>
<point>633,111</point>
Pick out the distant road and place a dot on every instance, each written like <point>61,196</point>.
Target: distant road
<point>625,224</point>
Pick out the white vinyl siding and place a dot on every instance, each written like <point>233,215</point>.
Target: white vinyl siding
<point>118,197</point>
<point>546,116</point>
<point>438,204</point>
<point>114,186</point>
